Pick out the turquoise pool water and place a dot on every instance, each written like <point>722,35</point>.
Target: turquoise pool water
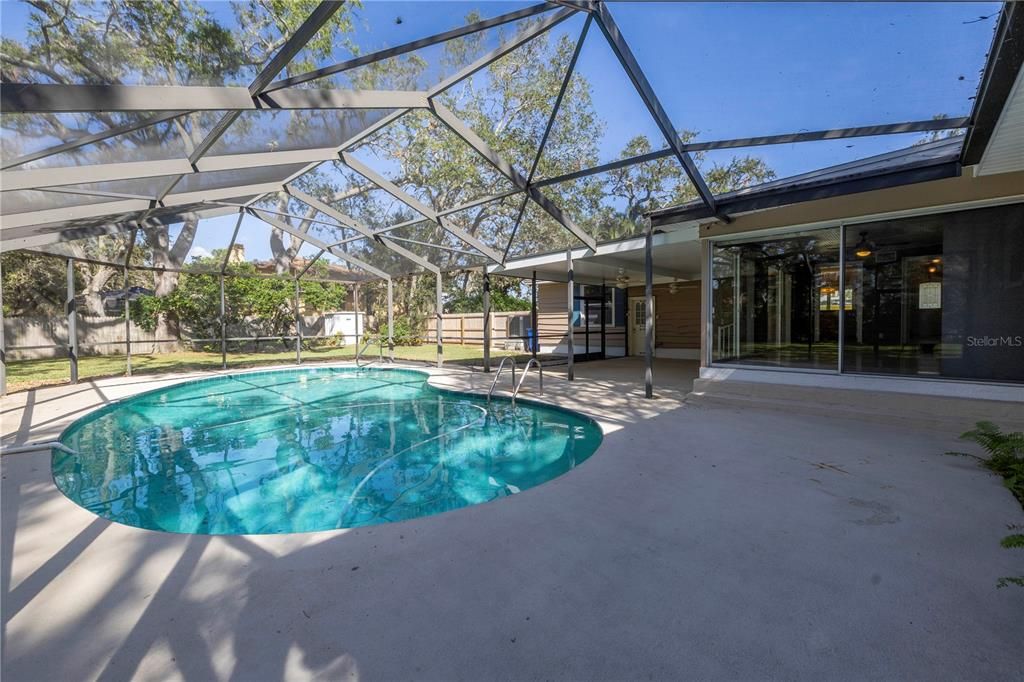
<point>310,449</point>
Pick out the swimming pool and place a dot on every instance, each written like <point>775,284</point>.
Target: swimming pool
<point>288,451</point>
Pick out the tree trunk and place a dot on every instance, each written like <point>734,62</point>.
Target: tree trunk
<point>95,284</point>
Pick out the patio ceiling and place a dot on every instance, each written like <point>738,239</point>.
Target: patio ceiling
<point>291,156</point>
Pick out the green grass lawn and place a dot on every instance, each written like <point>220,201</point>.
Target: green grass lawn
<point>25,374</point>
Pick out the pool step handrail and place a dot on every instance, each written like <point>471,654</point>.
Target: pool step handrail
<point>497,375</point>
<point>359,353</point>
<point>522,377</point>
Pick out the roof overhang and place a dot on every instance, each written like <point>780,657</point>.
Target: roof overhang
<point>675,256</point>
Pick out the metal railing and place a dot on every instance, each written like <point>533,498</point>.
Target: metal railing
<point>361,351</point>
<point>526,370</point>
<point>497,375</point>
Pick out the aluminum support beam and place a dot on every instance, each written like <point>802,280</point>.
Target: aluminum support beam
<point>439,319</point>
<point>127,325</point>
<point>535,340</point>
<point>348,221</point>
<point>72,322</point>
<point>418,206</point>
<point>646,92</point>
<point>303,34</point>
<point>476,142</point>
<point>570,350</point>
<point>223,327</point>
<point>391,321</point>
<point>56,177</point>
<point>502,50</point>
<point>298,325</point>
<point>487,321</point>
<point>92,139</point>
<point>3,346</point>
<point>398,50</point>
<point>352,260</point>
<point>46,98</point>
<point>355,301</point>
<point>648,312</point>
<point>547,128</point>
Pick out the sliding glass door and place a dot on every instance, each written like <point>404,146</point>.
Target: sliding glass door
<point>776,302</point>
<point>939,295</point>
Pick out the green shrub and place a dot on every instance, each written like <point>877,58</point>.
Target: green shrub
<point>407,331</point>
<point>1005,456</point>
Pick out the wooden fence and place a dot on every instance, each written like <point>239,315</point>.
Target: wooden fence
<point>467,329</point>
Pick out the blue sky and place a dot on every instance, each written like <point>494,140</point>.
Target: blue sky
<point>725,70</point>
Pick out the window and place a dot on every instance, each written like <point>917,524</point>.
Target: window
<point>587,306</point>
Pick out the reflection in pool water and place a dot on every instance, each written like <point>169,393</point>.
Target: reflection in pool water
<point>311,449</point>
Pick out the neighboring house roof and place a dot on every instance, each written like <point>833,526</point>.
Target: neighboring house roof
<point>920,163</point>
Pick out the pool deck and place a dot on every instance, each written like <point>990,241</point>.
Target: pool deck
<point>699,541</point>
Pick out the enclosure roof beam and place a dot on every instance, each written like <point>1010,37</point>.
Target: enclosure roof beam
<point>303,34</point>
<point>547,128</point>
<point>304,236</point>
<point>643,87</point>
<point>43,98</point>
<point>491,156</point>
<point>928,125</point>
<point>355,139</point>
<point>317,18</point>
<point>390,52</point>
<point>309,264</point>
<point>415,204</point>
<point>92,139</point>
<point>501,51</point>
<point>365,231</point>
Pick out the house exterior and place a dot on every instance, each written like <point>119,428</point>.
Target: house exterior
<point>900,272</point>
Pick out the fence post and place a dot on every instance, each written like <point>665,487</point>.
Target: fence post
<point>487,321</point>
<point>72,322</point>
<point>127,327</point>
<point>298,326</point>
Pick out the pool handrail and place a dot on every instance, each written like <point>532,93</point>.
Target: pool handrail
<point>497,374</point>
<point>359,353</point>
<point>522,377</point>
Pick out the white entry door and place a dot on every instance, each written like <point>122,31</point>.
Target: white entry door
<point>637,324</point>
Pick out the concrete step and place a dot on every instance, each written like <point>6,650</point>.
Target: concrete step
<point>938,413</point>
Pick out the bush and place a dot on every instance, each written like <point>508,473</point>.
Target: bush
<point>407,332</point>
<point>1005,457</point>
<point>1005,454</point>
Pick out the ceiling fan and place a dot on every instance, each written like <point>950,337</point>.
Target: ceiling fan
<point>622,281</point>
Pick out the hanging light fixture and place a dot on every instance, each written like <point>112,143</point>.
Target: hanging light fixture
<point>673,287</point>
<point>862,249</point>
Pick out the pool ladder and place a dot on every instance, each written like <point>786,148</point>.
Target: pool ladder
<point>516,387</point>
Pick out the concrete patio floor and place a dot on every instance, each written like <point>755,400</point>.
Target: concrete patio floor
<point>697,542</point>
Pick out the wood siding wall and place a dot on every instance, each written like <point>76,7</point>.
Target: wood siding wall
<point>676,316</point>
<point>676,322</point>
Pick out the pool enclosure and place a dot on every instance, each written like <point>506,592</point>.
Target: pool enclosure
<point>370,144</point>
